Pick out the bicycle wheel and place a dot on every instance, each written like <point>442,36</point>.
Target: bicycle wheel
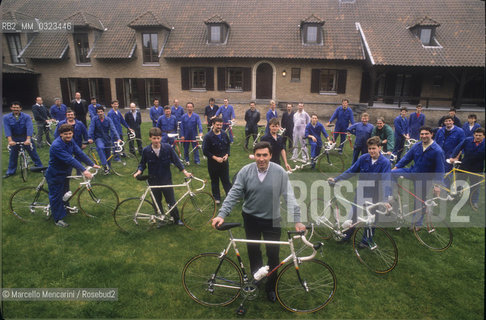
<point>126,166</point>
<point>331,162</point>
<point>133,215</point>
<point>306,289</point>
<point>325,216</point>
<point>375,248</point>
<point>29,204</point>
<point>198,210</point>
<point>210,281</point>
<point>435,235</point>
<point>24,168</point>
<point>97,200</point>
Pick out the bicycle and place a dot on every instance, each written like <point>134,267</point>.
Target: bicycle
<point>304,285</point>
<point>258,136</point>
<point>24,160</point>
<point>328,160</point>
<point>180,150</point>
<point>435,234</point>
<point>373,245</point>
<point>461,187</point>
<point>94,200</point>
<point>121,163</point>
<point>140,214</point>
<point>50,129</point>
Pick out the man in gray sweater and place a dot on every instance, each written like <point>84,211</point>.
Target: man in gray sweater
<point>257,183</point>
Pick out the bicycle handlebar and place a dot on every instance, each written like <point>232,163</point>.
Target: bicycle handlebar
<point>9,147</point>
<point>432,203</point>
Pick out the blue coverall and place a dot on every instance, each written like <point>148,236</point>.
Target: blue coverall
<point>189,130</point>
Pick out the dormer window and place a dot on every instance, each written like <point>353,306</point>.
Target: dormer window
<point>424,29</point>
<point>311,30</point>
<point>217,30</point>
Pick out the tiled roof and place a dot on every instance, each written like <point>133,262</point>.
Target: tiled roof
<point>16,16</point>
<point>425,22</point>
<point>270,29</point>
<point>147,19</point>
<point>312,19</point>
<point>46,46</point>
<point>9,69</point>
<point>85,19</point>
<point>215,19</point>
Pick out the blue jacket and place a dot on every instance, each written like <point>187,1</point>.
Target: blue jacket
<point>379,172</point>
<point>316,132</point>
<point>344,117</point>
<point>401,127</point>
<point>228,113</point>
<point>167,125</point>
<point>92,110</point>
<point>40,113</point>
<point>414,125</point>
<point>429,161</point>
<point>271,115</point>
<point>362,133</point>
<point>190,125</point>
<point>18,129</point>
<point>469,132</point>
<point>118,121</point>
<point>159,167</point>
<point>102,130</point>
<point>214,145</point>
<point>473,155</point>
<point>448,144</point>
<point>178,113</point>
<point>61,160</point>
<point>155,113</point>
<point>58,113</point>
<point>80,132</point>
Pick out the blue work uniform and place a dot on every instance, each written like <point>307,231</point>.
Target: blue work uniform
<point>80,132</point>
<point>19,129</point>
<point>118,121</point>
<point>177,112</point>
<point>344,118</point>
<point>189,130</point>
<point>103,133</point>
<point>427,170</point>
<point>448,140</point>
<point>468,131</point>
<point>58,113</point>
<point>316,132</point>
<point>61,163</point>
<point>270,114</point>
<point>155,113</point>
<point>415,122</point>
<point>227,113</point>
<point>362,133</point>
<point>401,128</point>
<point>159,173</point>
<point>167,125</point>
<point>92,110</point>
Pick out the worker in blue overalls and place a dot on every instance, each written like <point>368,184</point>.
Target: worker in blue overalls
<point>313,132</point>
<point>344,117</point>
<point>167,124</point>
<point>190,123</point>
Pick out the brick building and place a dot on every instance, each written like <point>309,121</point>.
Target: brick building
<point>318,52</point>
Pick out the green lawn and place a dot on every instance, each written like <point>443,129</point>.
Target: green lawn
<point>146,269</point>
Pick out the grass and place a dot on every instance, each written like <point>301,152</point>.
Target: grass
<point>146,269</point>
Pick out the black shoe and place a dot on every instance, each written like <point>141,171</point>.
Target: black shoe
<point>7,175</point>
<point>271,296</point>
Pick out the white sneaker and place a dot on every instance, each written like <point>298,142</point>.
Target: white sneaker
<point>61,223</point>
<point>217,201</point>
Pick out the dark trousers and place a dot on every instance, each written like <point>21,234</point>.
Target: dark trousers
<point>255,228</point>
<point>248,134</point>
<point>357,151</point>
<point>57,186</point>
<point>288,137</point>
<point>138,134</point>
<point>399,144</point>
<point>343,140</point>
<point>169,198</point>
<point>219,171</point>
<point>14,156</point>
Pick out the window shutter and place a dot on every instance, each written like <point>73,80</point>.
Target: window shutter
<point>185,78</point>
<point>164,92</point>
<point>221,79</point>
<point>141,93</point>
<point>316,73</point>
<point>107,92</point>
<point>341,81</point>
<point>120,95</point>
<point>210,79</point>
<point>304,33</point>
<point>66,99</point>
<point>246,79</point>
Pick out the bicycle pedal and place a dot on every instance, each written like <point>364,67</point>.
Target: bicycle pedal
<point>240,311</point>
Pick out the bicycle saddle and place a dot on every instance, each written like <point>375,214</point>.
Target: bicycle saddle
<point>38,169</point>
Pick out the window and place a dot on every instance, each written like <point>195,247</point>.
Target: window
<point>15,47</point>
<point>234,79</point>
<point>88,87</point>
<point>215,33</point>
<point>328,81</point>
<point>426,36</point>
<point>312,33</point>
<point>437,80</point>
<point>198,78</point>
<point>153,89</point>
<point>141,91</point>
<point>150,48</point>
<point>81,44</point>
<point>295,75</point>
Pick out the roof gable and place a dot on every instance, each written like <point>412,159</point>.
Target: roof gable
<point>147,20</point>
<point>84,19</point>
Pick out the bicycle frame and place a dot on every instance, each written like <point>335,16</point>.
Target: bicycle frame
<point>117,149</point>
<point>327,148</point>
<point>453,190</point>
<point>160,215</point>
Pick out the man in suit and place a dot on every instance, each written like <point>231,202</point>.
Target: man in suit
<point>288,125</point>
<point>134,120</point>
<point>80,107</point>
<point>42,118</point>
